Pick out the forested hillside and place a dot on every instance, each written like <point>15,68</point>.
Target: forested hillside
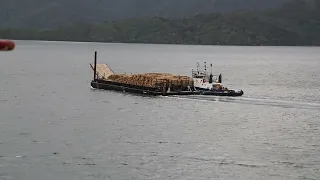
<point>295,23</point>
<point>57,13</point>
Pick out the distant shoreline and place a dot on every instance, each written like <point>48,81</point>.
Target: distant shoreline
<point>229,45</point>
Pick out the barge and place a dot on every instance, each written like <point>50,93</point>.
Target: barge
<point>159,84</point>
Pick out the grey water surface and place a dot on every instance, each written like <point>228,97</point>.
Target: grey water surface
<point>53,126</point>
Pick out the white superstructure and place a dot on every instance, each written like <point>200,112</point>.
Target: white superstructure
<point>206,81</point>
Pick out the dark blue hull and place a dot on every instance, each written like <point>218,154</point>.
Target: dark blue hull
<point>109,85</point>
<point>215,93</point>
<point>219,93</point>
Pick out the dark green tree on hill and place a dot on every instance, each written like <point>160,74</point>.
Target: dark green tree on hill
<point>294,23</point>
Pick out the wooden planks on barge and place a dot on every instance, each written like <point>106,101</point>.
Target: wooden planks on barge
<point>103,71</point>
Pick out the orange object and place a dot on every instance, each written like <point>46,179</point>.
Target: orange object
<point>6,45</point>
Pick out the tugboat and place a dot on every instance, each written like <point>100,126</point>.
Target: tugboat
<point>209,84</point>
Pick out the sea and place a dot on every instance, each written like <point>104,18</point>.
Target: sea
<point>54,126</point>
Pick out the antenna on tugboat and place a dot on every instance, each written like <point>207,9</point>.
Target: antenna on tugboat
<point>205,68</point>
<point>198,66</point>
<point>211,76</point>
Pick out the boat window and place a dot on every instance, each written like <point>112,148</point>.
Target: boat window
<point>199,76</point>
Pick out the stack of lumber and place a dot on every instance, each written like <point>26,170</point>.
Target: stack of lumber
<point>150,79</point>
<point>103,71</point>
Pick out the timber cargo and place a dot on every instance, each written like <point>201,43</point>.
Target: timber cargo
<point>154,80</point>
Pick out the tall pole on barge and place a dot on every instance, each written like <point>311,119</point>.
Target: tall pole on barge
<point>95,66</point>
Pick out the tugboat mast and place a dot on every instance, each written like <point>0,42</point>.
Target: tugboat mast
<point>198,68</point>
<point>211,76</point>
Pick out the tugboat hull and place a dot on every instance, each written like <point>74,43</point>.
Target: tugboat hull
<point>222,93</point>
